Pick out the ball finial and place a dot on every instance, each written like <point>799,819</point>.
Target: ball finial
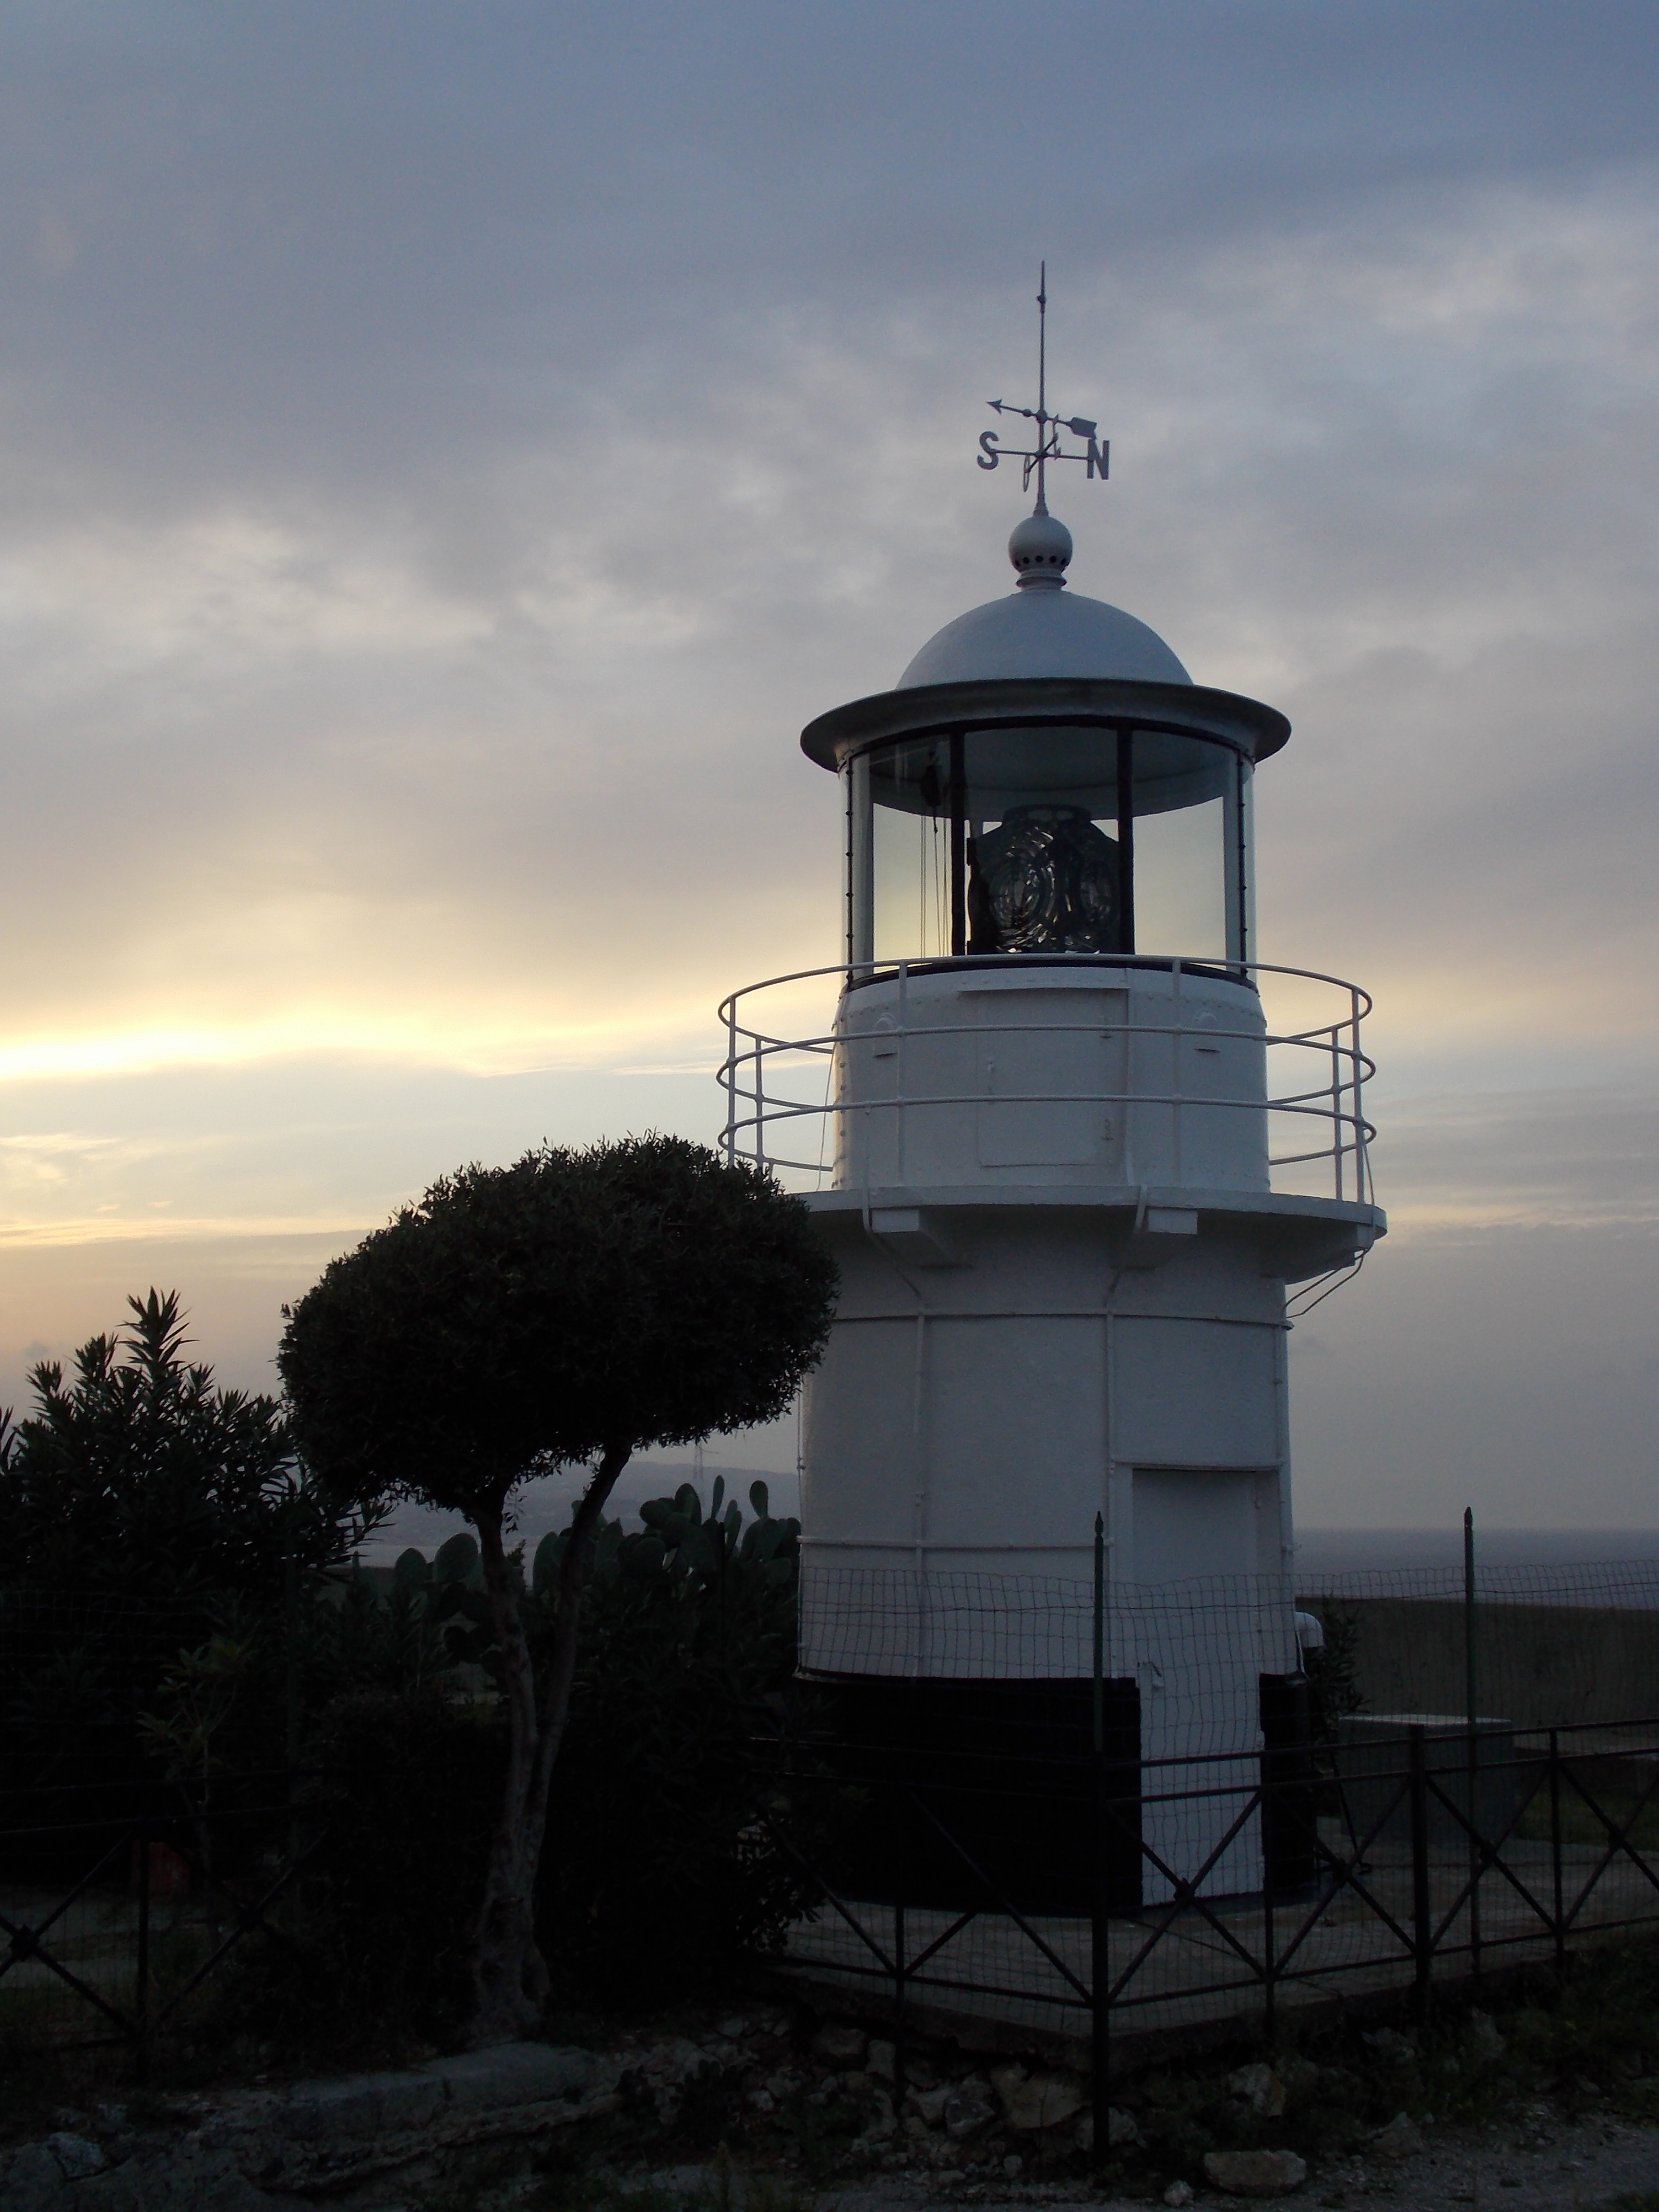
<point>1040,548</point>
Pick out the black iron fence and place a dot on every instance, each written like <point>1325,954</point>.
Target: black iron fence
<point>1086,1896</point>
<point>123,1899</point>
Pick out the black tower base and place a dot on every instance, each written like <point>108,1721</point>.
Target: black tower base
<point>985,1794</point>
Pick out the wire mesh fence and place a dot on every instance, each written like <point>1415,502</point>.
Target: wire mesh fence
<point>1218,1808</point>
<point>1398,1870</point>
<point>1084,1806</point>
<point>134,1862</point>
<point>962,1625</point>
<point>122,1898</point>
<point>1552,1646</point>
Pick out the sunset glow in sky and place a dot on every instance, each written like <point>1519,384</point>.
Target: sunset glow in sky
<point>446,454</point>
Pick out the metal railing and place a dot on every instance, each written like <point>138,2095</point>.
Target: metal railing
<point>121,1898</point>
<point>1428,1879</point>
<point>759,1111</point>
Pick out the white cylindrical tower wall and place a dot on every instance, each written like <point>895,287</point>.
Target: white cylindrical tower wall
<point>1007,1074</point>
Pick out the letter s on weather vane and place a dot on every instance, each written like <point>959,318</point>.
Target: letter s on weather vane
<point>988,456</point>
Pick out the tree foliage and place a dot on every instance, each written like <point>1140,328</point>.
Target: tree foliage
<point>139,1476</point>
<point>570,1309</point>
<point>574,1304</point>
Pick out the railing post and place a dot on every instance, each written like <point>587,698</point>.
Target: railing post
<point>1361,1176</point>
<point>291,1617</point>
<point>1269,2016</point>
<point>731,1142</point>
<point>1336,1106</point>
<point>141,1976</point>
<point>760,1104</point>
<point>900,1131</point>
<point>1100,1934</point>
<point>1472,1714</point>
<point>1555,1855</point>
<point>1422,1930</point>
<point>899,1976</point>
<point>1174,1072</point>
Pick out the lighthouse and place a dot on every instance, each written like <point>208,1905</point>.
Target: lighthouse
<point>1074,1145</point>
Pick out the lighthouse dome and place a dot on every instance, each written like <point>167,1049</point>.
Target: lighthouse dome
<point>1043,630</point>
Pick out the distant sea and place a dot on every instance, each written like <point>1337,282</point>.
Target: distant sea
<point>1348,1551</point>
<point>1319,1550</point>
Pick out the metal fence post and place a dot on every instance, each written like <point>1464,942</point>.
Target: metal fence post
<point>1100,1942</point>
<point>1555,1854</point>
<point>291,1650</point>
<point>1421,1927</point>
<point>1473,1710</point>
<point>900,1888</point>
<point>141,1989</point>
<point>1268,2011</point>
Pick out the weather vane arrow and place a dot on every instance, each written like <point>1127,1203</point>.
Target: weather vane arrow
<point>1097,451</point>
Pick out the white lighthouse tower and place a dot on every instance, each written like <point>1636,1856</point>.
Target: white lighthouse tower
<point>1073,1144</point>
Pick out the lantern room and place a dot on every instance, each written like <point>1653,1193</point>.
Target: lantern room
<point>1046,779</point>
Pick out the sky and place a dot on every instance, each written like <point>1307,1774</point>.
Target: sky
<point>447,452</point>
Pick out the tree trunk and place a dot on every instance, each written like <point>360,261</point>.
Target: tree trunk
<point>509,1975</point>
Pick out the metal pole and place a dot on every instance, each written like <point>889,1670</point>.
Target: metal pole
<point>1100,1934</point>
<point>141,1993</point>
<point>899,1889</point>
<point>1100,1635</point>
<point>291,1698</point>
<point>730,1144</point>
<point>1125,841</point>
<point>1361,1161</point>
<point>1269,2016</point>
<point>1555,1854</point>
<point>1175,1073</point>
<point>291,1651</point>
<point>958,850</point>
<point>1421,1926</point>
<point>1471,1711</point>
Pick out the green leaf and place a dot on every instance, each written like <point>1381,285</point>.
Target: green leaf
<point>456,1560</point>
<point>544,1571</point>
<point>643,1555</point>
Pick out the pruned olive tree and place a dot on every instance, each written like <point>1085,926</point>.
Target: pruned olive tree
<point>571,1308</point>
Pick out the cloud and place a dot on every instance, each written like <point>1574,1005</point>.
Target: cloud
<point>444,462</point>
<point>1573,1159</point>
<point>496,765</point>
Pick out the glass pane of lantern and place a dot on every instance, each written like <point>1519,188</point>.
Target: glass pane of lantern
<point>1181,883</point>
<point>910,836</point>
<point>1046,872</point>
<point>1042,852</point>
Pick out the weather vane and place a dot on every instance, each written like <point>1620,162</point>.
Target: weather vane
<point>1097,451</point>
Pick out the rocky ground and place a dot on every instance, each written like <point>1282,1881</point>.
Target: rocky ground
<point>772,2108</point>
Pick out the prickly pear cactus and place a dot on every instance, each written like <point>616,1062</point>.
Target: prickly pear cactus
<point>458,1561</point>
